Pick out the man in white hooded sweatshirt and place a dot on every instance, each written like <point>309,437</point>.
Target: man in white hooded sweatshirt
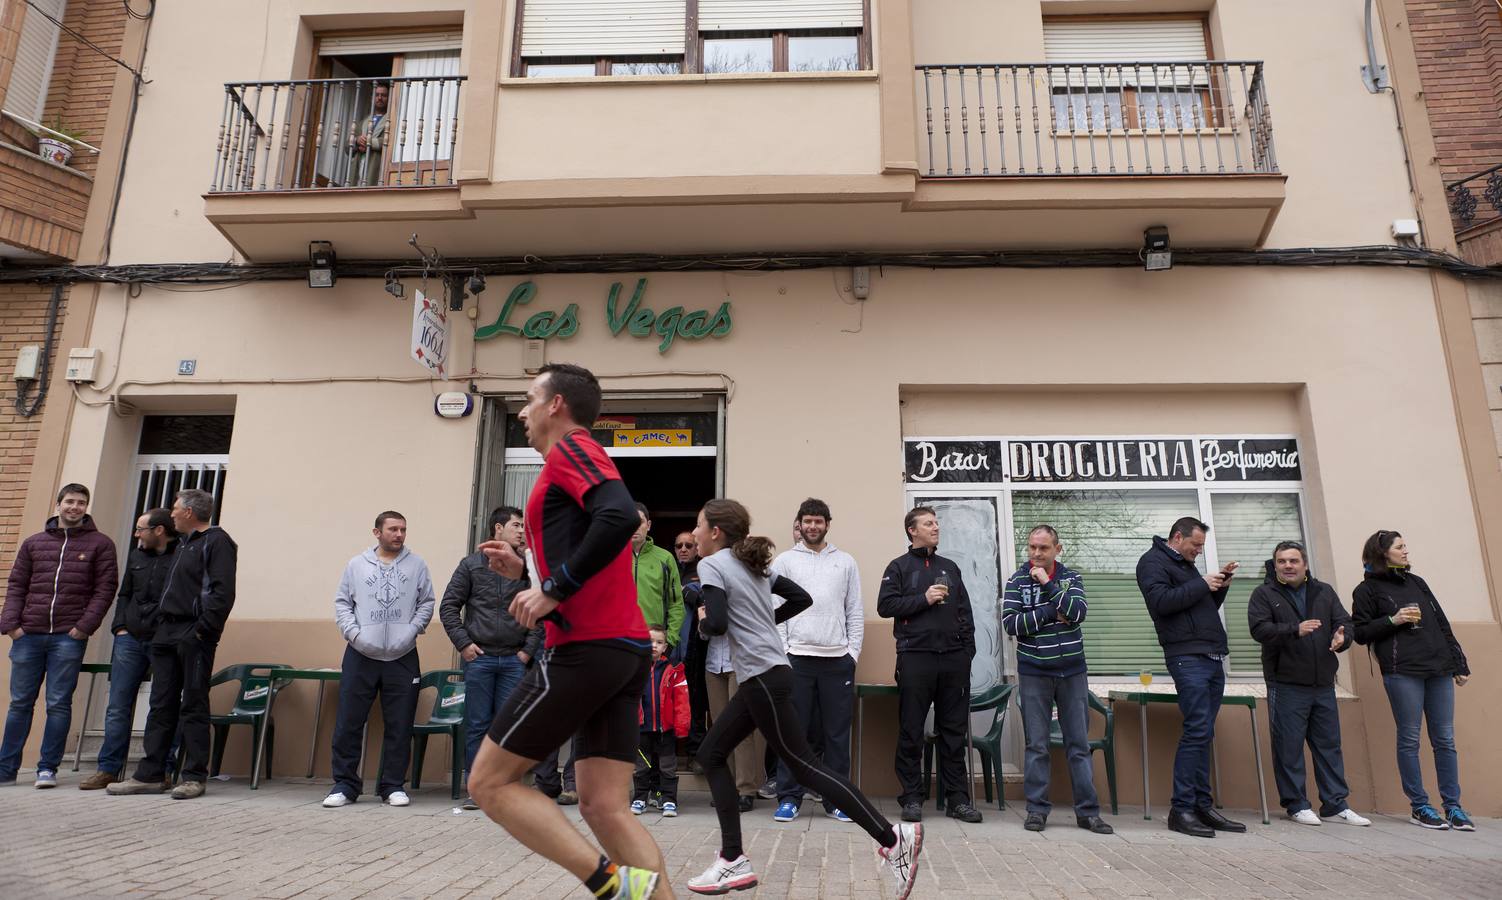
<point>385,600</point>
<point>823,644</point>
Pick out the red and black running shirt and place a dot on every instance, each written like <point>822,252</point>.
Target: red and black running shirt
<point>580,519</point>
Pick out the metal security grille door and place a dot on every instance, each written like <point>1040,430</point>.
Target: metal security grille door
<point>158,478</point>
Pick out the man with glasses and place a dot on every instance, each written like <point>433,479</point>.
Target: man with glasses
<point>659,592</point>
<point>133,627</point>
<point>1301,626</point>
<point>692,647</point>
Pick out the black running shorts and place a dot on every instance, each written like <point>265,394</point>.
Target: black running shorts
<point>590,690</point>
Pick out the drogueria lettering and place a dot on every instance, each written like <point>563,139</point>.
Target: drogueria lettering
<point>634,317</point>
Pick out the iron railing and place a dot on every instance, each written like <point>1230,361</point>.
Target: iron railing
<point>1109,118</point>
<point>327,133</point>
<point>1465,210</point>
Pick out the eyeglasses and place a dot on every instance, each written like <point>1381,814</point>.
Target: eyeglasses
<point>688,546</point>
<point>138,529</point>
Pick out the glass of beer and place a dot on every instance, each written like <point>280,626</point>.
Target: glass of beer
<point>1145,676</point>
<point>1417,611</point>
<point>942,580</point>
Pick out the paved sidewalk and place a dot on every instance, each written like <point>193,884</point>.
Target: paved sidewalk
<point>278,842</point>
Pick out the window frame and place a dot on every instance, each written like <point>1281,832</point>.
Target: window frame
<point>691,61</point>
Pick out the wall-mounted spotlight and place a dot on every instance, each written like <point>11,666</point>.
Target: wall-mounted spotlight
<point>476,283</point>
<point>394,286</point>
<point>321,260</point>
<point>1156,255</point>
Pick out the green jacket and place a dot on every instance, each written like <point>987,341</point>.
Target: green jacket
<point>659,591</point>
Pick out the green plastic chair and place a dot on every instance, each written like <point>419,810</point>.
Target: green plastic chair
<point>447,717</point>
<point>249,709</point>
<point>988,745</point>
<point>1106,743</point>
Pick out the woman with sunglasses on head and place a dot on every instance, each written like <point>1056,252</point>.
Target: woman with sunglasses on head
<point>737,602</point>
<point>1398,618</point>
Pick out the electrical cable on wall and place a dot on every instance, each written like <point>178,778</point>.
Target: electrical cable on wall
<point>44,368</point>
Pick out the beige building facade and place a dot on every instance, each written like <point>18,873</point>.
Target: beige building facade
<point>814,329</point>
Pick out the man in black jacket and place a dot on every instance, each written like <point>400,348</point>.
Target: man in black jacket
<point>1185,609</point>
<point>1301,625</point>
<point>475,612</point>
<point>134,624</point>
<point>935,635</point>
<point>196,602</point>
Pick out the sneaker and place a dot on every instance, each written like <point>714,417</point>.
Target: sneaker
<point>568,798</point>
<point>634,883</point>
<point>837,815</point>
<point>669,809</point>
<point>786,812</point>
<point>767,791</point>
<point>1035,821</point>
<point>1349,817</point>
<point>901,859</point>
<point>815,796</point>
<point>1305,817</point>
<point>398,798</point>
<point>46,778</point>
<point>964,812</point>
<point>655,800</point>
<point>336,800</point>
<point>188,790</point>
<point>1094,824</point>
<point>98,781</point>
<point>724,876</point>
<point>1458,819</point>
<point>1427,816</point>
<point>132,786</point>
<point>747,802</point>
<point>912,812</point>
<point>469,803</point>
<point>638,807</point>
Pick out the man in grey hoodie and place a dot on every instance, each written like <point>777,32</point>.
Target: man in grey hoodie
<point>385,600</point>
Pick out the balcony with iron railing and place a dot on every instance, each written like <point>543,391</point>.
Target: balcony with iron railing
<point>1477,222</point>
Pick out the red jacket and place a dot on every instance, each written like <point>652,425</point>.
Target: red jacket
<point>664,705</point>
<point>62,578</point>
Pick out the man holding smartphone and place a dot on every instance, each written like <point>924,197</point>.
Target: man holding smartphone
<point>1185,608</point>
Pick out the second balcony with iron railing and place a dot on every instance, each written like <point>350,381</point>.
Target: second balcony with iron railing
<point>1155,118</point>
<point>337,133</point>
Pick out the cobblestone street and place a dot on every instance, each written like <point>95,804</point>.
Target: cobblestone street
<point>278,842</point>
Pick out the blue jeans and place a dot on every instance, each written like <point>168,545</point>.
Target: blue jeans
<point>33,656</point>
<point>130,663</point>
<point>1413,700</point>
<point>1299,714</point>
<point>1200,682</point>
<point>1039,694</point>
<point>488,681</point>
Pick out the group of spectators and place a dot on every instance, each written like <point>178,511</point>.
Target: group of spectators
<point>178,587</point>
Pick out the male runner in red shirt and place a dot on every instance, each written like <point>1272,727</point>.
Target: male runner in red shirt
<point>588,681</point>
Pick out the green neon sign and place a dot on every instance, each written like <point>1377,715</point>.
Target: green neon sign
<point>635,319</point>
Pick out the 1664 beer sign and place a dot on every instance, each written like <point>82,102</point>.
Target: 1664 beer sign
<point>430,334</point>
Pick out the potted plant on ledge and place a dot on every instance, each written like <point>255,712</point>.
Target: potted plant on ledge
<point>55,144</point>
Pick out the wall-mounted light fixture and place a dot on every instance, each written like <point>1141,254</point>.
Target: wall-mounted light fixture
<point>1156,255</point>
<point>321,260</point>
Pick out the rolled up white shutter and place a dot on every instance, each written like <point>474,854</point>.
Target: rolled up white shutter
<point>27,94</point>
<point>769,15</point>
<point>602,28</point>
<point>1128,41</point>
<point>416,42</point>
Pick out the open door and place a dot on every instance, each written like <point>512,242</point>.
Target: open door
<point>421,144</point>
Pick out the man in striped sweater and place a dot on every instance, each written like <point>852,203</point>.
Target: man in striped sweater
<point>1043,607</point>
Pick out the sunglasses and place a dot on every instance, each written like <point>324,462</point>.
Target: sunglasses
<point>685,546</point>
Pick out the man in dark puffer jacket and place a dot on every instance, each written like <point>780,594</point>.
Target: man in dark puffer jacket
<point>59,589</point>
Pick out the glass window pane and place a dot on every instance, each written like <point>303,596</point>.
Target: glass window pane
<point>559,70</point>
<point>738,54</point>
<point>647,67</point>
<point>1174,109</point>
<point>832,53</point>
<point>1104,533</point>
<point>1090,110</point>
<point>1246,528</point>
<point>185,434</point>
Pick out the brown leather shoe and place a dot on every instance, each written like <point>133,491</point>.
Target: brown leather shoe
<point>98,781</point>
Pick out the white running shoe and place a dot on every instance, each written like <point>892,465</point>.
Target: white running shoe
<point>902,858</point>
<point>724,877</point>
<point>398,798</point>
<point>1305,817</point>
<point>336,800</point>
<point>1349,817</point>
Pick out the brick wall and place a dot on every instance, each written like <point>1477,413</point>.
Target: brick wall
<point>1459,46</point>
<point>82,80</point>
<point>23,320</point>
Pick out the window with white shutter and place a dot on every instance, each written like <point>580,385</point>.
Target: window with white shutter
<point>1143,73</point>
<point>605,37</point>
<point>32,73</point>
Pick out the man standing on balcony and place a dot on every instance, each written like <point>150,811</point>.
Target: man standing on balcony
<point>59,589</point>
<point>384,601</point>
<point>1042,607</point>
<point>135,622</point>
<point>823,644</point>
<point>368,140</point>
<point>195,604</point>
<point>1185,609</point>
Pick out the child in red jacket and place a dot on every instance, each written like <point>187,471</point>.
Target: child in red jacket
<point>664,719</point>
